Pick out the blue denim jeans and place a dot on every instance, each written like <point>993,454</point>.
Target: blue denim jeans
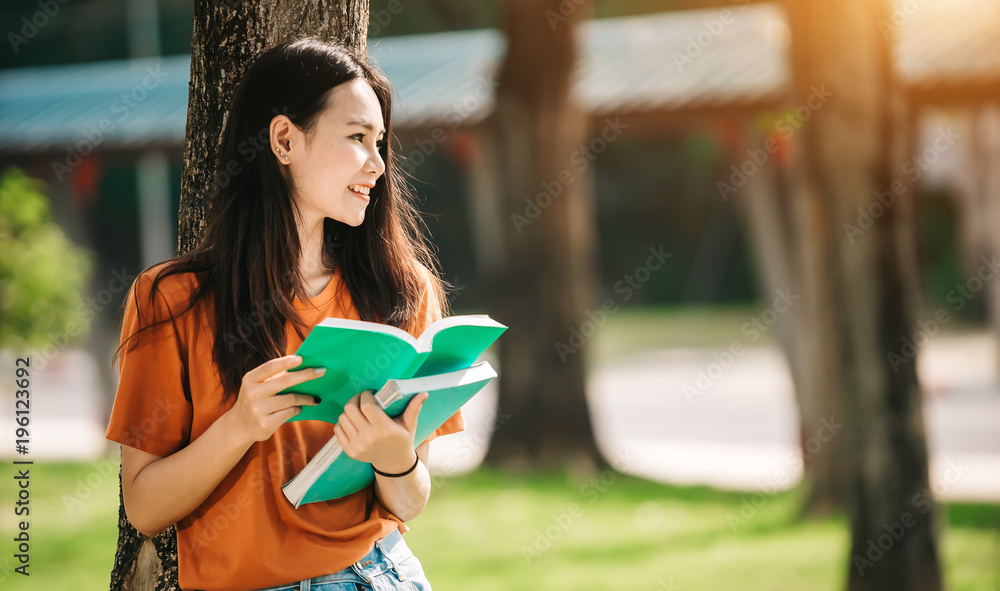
<point>389,566</point>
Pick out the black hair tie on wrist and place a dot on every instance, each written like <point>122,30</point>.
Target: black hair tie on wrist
<point>387,475</point>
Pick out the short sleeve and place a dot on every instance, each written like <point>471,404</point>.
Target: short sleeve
<point>150,411</point>
<point>430,312</point>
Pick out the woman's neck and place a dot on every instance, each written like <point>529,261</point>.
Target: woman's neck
<point>313,269</point>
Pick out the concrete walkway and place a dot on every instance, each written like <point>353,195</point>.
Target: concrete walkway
<point>742,432</point>
<point>739,433</point>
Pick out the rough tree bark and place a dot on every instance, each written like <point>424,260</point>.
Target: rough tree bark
<point>853,151</point>
<point>545,287</point>
<point>228,35</point>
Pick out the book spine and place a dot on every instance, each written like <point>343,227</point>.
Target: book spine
<point>388,394</point>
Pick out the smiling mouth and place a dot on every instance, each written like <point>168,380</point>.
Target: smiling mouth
<point>357,193</point>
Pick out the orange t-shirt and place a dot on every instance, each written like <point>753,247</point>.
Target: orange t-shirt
<point>246,535</point>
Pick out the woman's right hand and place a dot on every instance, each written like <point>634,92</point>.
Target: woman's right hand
<point>259,410</point>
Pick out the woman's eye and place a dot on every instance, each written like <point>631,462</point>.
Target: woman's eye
<point>380,143</point>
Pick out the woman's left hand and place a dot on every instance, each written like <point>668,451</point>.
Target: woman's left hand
<point>369,435</point>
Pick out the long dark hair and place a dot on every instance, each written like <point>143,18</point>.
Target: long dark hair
<point>247,261</point>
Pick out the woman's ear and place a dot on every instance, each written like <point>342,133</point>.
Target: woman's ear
<point>283,136</point>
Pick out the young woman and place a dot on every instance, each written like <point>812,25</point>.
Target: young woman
<point>311,219</point>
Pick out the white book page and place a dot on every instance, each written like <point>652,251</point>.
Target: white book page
<point>301,483</point>
<point>424,342</point>
<point>427,337</point>
<point>477,372</point>
<point>371,327</point>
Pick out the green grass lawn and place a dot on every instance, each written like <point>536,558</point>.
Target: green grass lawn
<point>498,531</point>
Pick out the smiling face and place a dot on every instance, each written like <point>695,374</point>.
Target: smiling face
<point>338,155</point>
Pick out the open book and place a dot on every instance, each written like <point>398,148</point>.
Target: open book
<point>332,474</point>
<point>361,356</point>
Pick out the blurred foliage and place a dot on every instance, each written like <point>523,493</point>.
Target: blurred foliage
<point>940,256</point>
<point>660,193</point>
<point>42,273</point>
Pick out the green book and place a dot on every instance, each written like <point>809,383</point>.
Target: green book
<point>332,474</point>
<point>361,356</point>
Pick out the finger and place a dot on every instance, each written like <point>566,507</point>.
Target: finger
<point>370,408</point>
<point>281,402</point>
<point>342,436</point>
<point>413,411</point>
<point>286,414</point>
<point>353,411</point>
<point>293,378</point>
<point>349,426</point>
<point>269,368</point>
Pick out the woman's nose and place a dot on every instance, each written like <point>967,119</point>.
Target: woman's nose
<point>375,165</point>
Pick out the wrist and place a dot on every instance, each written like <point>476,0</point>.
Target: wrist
<point>230,426</point>
<point>399,466</point>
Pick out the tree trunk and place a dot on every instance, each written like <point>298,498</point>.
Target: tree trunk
<point>228,36</point>
<point>861,224</point>
<point>985,145</point>
<point>787,259</point>
<point>544,290</point>
<point>824,444</point>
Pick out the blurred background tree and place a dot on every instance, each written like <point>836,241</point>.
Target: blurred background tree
<point>546,282</point>
<point>854,149</point>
